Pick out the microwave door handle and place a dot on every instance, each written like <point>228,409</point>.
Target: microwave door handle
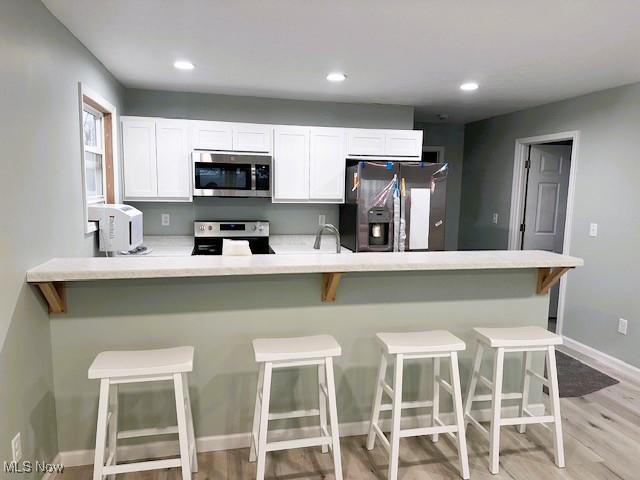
<point>253,177</point>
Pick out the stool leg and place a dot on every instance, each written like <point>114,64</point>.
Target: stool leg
<point>496,406</point>
<point>457,410</point>
<point>322,403</point>
<point>192,437</point>
<point>554,397</point>
<point>256,417</point>
<point>473,382</point>
<point>183,434</point>
<point>333,418</point>
<point>526,381</point>
<point>264,421</point>
<point>436,396</point>
<point>375,410</point>
<point>101,430</point>
<point>113,424</point>
<point>394,453</point>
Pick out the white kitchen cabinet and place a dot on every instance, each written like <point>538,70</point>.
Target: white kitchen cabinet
<point>365,142</point>
<point>400,144</point>
<point>172,158</point>
<point>157,165</point>
<point>212,135</point>
<point>327,164</point>
<point>251,137</point>
<point>290,164</point>
<point>403,143</point>
<point>139,149</point>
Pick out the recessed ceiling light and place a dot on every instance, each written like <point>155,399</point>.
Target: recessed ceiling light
<point>336,77</point>
<point>469,86</point>
<point>183,65</point>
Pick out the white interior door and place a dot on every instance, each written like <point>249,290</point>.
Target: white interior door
<point>546,203</point>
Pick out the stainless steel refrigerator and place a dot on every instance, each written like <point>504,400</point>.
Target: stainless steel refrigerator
<point>394,206</point>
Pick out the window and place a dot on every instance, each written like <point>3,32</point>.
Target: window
<point>98,151</point>
<point>93,140</point>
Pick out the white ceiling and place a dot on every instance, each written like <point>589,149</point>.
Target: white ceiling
<point>410,52</point>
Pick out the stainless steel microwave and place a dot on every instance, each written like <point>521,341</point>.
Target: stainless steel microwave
<point>231,175</point>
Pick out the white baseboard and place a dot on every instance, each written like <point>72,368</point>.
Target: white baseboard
<point>608,360</point>
<point>51,475</point>
<point>241,440</point>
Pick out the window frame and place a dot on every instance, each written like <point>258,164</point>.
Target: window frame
<point>93,102</point>
<point>97,150</point>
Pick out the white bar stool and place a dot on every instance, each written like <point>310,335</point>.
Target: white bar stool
<point>435,344</point>
<point>524,340</point>
<point>114,368</point>
<point>274,353</point>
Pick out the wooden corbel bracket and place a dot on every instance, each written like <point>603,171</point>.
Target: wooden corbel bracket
<point>55,295</point>
<point>548,277</point>
<point>330,283</point>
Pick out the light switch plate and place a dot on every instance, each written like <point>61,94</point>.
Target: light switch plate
<point>16,448</point>
<point>622,326</point>
<point>322,219</point>
<point>166,219</point>
<point>494,219</point>
<point>593,229</point>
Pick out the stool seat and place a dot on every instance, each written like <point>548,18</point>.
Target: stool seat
<point>517,337</point>
<point>419,342</point>
<point>295,348</point>
<point>136,363</point>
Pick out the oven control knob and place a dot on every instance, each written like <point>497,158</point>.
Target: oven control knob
<point>210,227</point>
<point>261,228</point>
<point>202,228</point>
<point>253,228</point>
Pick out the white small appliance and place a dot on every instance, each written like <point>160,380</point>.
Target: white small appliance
<point>119,226</point>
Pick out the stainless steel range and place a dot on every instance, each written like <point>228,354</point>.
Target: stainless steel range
<point>208,236</point>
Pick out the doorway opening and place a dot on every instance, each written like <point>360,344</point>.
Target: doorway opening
<point>542,203</point>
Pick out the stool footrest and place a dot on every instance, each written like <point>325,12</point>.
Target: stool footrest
<point>383,438</point>
<point>147,432</point>
<point>481,428</point>
<point>536,375</point>
<point>298,443</point>
<point>505,396</point>
<point>408,405</point>
<point>314,412</point>
<point>422,431</point>
<point>141,466</point>
<point>527,420</point>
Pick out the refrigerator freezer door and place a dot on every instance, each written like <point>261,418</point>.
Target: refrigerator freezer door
<point>433,178</point>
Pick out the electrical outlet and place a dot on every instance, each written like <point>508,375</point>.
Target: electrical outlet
<point>495,218</point>
<point>322,219</point>
<point>16,447</point>
<point>593,229</point>
<point>622,326</point>
<point>166,219</point>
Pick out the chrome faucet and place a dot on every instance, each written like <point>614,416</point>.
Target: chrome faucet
<point>332,229</point>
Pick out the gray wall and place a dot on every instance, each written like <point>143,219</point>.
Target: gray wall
<point>40,182</point>
<point>451,137</point>
<point>202,106</point>
<point>220,317</point>
<point>608,170</point>
<point>285,219</point>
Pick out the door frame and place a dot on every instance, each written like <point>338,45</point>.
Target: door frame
<point>517,199</point>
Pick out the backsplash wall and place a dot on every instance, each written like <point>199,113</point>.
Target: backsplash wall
<point>285,218</point>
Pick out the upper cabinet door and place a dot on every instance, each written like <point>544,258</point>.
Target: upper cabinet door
<point>291,164</point>
<point>403,143</point>
<point>212,135</point>
<point>365,142</point>
<point>174,167</point>
<point>139,148</point>
<point>251,137</point>
<point>327,164</point>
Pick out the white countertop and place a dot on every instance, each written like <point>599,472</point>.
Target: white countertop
<point>79,269</point>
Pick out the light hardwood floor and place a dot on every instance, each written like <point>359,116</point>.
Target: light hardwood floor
<point>601,432</point>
